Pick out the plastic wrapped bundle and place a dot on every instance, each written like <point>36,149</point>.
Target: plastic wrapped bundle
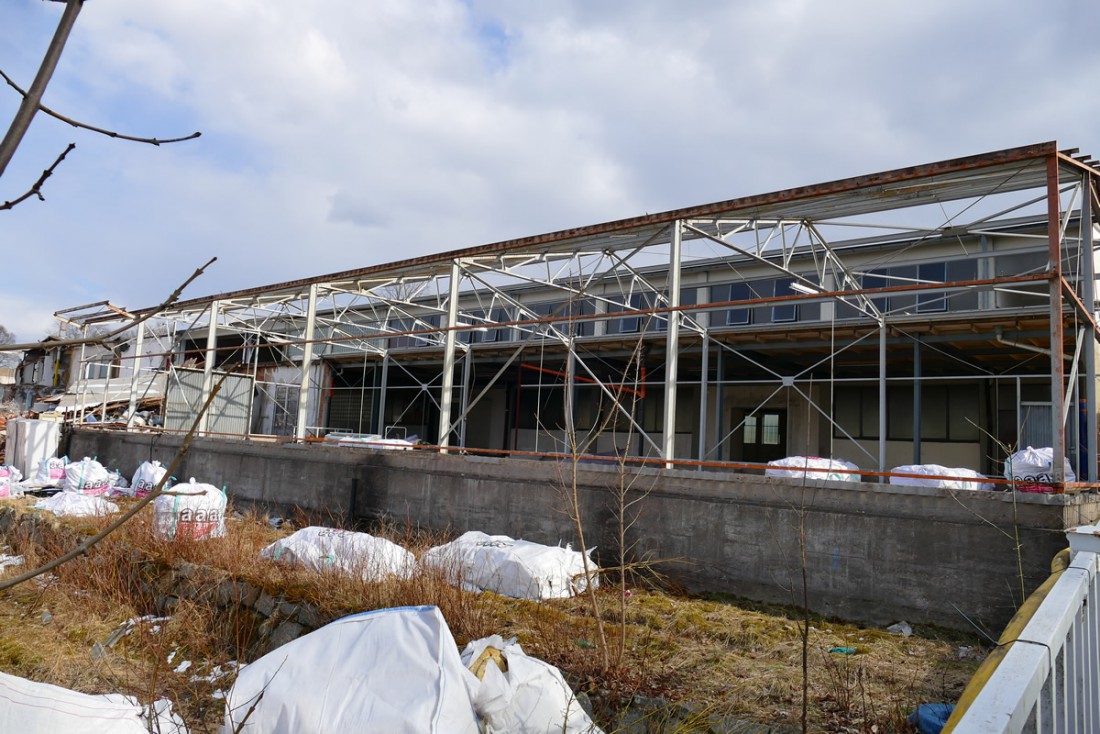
<point>933,475</point>
<point>813,467</point>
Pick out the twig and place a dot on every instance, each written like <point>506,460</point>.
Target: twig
<point>85,546</point>
<point>36,190</point>
<point>149,313</point>
<point>93,128</point>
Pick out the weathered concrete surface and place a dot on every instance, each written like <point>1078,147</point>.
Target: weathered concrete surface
<point>873,553</point>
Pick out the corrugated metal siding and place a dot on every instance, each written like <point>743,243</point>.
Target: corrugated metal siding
<point>230,413</point>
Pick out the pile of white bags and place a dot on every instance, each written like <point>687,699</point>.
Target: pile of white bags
<point>73,504</point>
<point>393,670</point>
<point>1029,466</point>
<point>49,472</point>
<point>330,549</point>
<point>795,467</point>
<point>9,481</point>
<point>525,695</point>
<point>515,568</point>
<point>146,478</point>
<point>191,510</point>
<point>87,476</point>
<point>932,475</point>
<point>41,707</point>
<point>399,671</point>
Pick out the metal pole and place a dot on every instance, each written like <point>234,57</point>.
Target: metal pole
<point>448,362</point>
<point>882,397</point>
<point>82,373</point>
<point>719,400</point>
<point>33,99</point>
<point>382,394</point>
<point>307,365</point>
<point>1088,295</point>
<point>704,368</point>
<point>672,352</point>
<point>208,365</point>
<point>135,371</point>
<point>916,400</point>
<point>467,370</point>
<point>1057,360</point>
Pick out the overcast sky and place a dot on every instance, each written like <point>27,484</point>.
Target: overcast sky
<point>338,135</point>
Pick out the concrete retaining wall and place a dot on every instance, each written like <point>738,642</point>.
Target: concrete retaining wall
<point>873,553</point>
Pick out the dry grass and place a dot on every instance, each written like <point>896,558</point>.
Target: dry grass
<point>726,656</point>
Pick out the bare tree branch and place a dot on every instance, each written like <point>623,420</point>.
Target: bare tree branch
<point>115,332</point>
<point>36,190</point>
<point>93,128</point>
<point>33,98</point>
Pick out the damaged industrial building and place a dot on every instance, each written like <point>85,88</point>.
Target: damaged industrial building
<point>941,314</point>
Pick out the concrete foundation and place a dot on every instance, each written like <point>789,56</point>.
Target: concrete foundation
<point>873,553</point>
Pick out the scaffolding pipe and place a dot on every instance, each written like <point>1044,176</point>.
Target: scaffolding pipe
<point>448,362</point>
<point>208,364</point>
<point>882,396</point>
<point>307,364</point>
<point>672,346</point>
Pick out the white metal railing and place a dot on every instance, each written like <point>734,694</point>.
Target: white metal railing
<point>1049,679</point>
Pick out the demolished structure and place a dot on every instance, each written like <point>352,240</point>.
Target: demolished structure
<point>943,313</point>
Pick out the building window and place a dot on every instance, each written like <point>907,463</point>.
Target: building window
<point>855,412</point>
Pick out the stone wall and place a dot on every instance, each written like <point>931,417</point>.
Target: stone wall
<point>874,553</point>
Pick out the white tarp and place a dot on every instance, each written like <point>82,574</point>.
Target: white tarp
<point>192,510</point>
<point>331,549</point>
<point>29,707</point>
<point>528,696</point>
<point>516,568</point>
<point>932,475</point>
<point>369,441</point>
<point>795,467</point>
<point>1035,465</point>
<point>71,504</point>
<point>393,670</point>
<point>87,476</point>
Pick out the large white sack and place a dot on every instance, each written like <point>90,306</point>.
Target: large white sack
<point>49,472</point>
<point>29,707</point>
<point>392,670</point>
<point>1035,465</point>
<point>330,549</point>
<point>516,568</point>
<point>72,504</point>
<point>795,467</point>
<point>531,697</point>
<point>9,482</point>
<point>191,510</point>
<point>146,478</point>
<point>933,476</point>
<point>87,476</point>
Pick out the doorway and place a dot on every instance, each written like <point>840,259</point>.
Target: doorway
<point>764,436</point>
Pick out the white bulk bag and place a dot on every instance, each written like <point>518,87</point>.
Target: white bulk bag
<point>9,482</point>
<point>146,478</point>
<point>73,504</point>
<point>795,467</point>
<point>40,707</point>
<point>1034,465</point>
<point>191,510</point>
<point>50,472</point>
<point>516,568</point>
<point>392,670</point>
<point>324,549</point>
<point>932,476</point>
<point>87,476</point>
<point>530,697</point>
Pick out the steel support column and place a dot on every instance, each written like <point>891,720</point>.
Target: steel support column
<point>307,364</point>
<point>882,397</point>
<point>135,371</point>
<point>1088,295</point>
<point>446,396</point>
<point>1057,360</point>
<point>382,395</point>
<point>704,369</point>
<point>672,351</point>
<point>916,400</point>
<point>208,364</point>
